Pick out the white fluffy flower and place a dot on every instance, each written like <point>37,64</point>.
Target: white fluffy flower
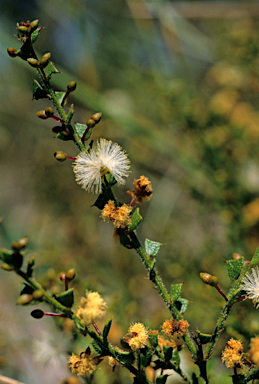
<point>250,284</point>
<point>104,157</point>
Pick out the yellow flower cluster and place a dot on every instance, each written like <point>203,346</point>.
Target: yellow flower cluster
<point>91,308</point>
<point>233,354</point>
<point>170,327</point>
<point>119,216</point>
<point>254,351</point>
<point>84,364</point>
<point>138,336</point>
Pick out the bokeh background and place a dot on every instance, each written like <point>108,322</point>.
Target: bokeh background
<point>178,84</point>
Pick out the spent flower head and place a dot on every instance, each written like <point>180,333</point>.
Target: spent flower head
<point>170,327</point>
<point>143,190</point>
<point>92,307</point>
<point>84,364</point>
<point>119,216</point>
<point>104,157</point>
<point>250,284</point>
<point>233,354</point>
<point>138,336</point>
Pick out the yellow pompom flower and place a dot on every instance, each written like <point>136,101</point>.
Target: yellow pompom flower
<point>119,216</point>
<point>84,364</point>
<point>138,336</point>
<point>92,307</point>
<point>233,354</point>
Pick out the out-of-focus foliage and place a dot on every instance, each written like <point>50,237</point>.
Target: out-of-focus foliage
<point>181,97</point>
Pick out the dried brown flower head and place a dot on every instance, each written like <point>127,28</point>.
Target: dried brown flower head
<point>119,216</point>
<point>170,327</point>
<point>143,190</point>
<point>233,354</point>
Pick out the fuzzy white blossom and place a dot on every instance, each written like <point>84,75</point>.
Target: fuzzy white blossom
<point>250,284</point>
<point>104,157</point>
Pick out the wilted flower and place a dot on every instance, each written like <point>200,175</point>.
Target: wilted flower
<point>143,190</point>
<point>92,307</point>
<point>138,335</point>
<point>170,327</point>
<point>250,284</point>
<point>84,364</point>
<point>233,354</point>
<point>104,157</point>
<point>119,216</point>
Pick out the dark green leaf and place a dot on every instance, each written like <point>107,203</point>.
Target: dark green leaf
<point>110,178</point>
<point>80,130</point>
<point>203,337</point>
<point>152,247</point>
<point>145,360</point>
<point>50,69</point>
<point>26,51</point>
<point>181,304</point>
<point>161,379</point>
<point>239,379</point>
<point>25,288</point>
<point>107,328</point>
<point>97,347</point>
<point>255,258</point>
<point>234,268</point>
<point>64,136</point>
<point>168,352</point>
<point>175,291</point>
<point>136,219</point>
<point>30,266</point>
<point>13,259</point>
<point>66,298</point>
<point>38,91</point>
<point>194,379</point>
<point>102,199</point>
<point>125,357</point>
<point>60,96</point>
<point>125,240</point>
<point>141,379</point>
<point>153,339</point>
<point>35,35</point>
<point>176,357</point>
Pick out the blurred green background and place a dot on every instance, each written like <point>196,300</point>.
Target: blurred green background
<point>178,84</point>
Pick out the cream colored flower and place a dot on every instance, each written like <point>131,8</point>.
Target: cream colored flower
<point>250,284</point>
<point>84,364</point>
<point>138,336</point>
<point>92,307</point>
<point>254,351</point>
<point>233,354</point>
<point>104,157</point>
<point>119,216</point>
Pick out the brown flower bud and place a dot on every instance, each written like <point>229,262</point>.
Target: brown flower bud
<point>20,244</point>
<point>49,112</point>
<point>37,294</point>
<point>6,267</point>
<point>236,256</point>
<point>33,62</point>
<point>71,86</point>
<point>97,117</point>
<point>70,275</point>
<point>62,277</point>
<point>58,129</point>
<point>45,60</point>
<point>90,123</point>
<point>12,52</point>
<point>34,25</point>
<point>60,155</point>
<point>205,277</point>
<point>37,313</point>
<point>24,299</point>
<point>42,114</point>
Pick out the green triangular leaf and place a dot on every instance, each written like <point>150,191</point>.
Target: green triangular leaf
<point>255,258</point>
<point>125,240</point>
<point>168,352</point>
<point>35,35</point>
<point>97,347</point>
<point>50,69</point>
<point>181,304</point>
<point>152,247</point>
<point>60,96</point>
<point>66,298</point>
<point>25,288</point>
<point>176,357</point>
<point>161,379</point>
<point>125,357</point>
<point>64,136</point>
<point>234,268</point>
<point>136,219</point>
<point>38,92</point>
<point>11,258</point>
<point>145,360</point>
<point>107,328</point>
<point>175,291</point>
<point>111,179</point>
<point>239,379</point>
<point>102,200</point>
<point>153,339</point>
<point>80,130</point>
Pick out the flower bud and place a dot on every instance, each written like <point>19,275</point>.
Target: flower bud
<point>20,244</point>
<point>71,86</point>
<point>37,313</point>
<point>33,62</point>
<point>97,117</point>
<point>236,256</point>
<point>60,155</point>
<point>24,299</point>
<point>34,25</point>
<point>23,29</point>
<point>70,275</point>
<point>205,277</point>
<point>12,52</point>
<point>42,114</point>
<point>58,129</point>
<point>90,123</point>
<point>62,277</point>
<point>37,294</point>
<point>213,281</point>
<point>45,60</point>
<point>6,267</point>
<point>49,112</point>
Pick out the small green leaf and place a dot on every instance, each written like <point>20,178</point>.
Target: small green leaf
<point>125,357</point>
<point>239,379</point>
<point>38,92</point>
<point>153,339</point>
<point>161,379</point>
<point>35,35</point>
<point>25,288</point>
<point>176,357</point>
<point>30,266</point>
<point>181,304</point>
<point>111,179</point>
<point>80,129</point>
<point>136,219</point>
<point>125,240</point>
<point>66,298</point>
<point>152,247</point>
<point>6,255</point>
<point>97,347</point>
<point>255,258</point>
<point>168,352</point>
<point>145,360</point>
<point>107,328</point>
<point>64,136</point>
<point>175,291</point>
<point>234,268</point>
<point>60,96</point>
<point>102,200</point>
<point>203,337</point>
<point>11,258</point>
<point>50,69</point>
